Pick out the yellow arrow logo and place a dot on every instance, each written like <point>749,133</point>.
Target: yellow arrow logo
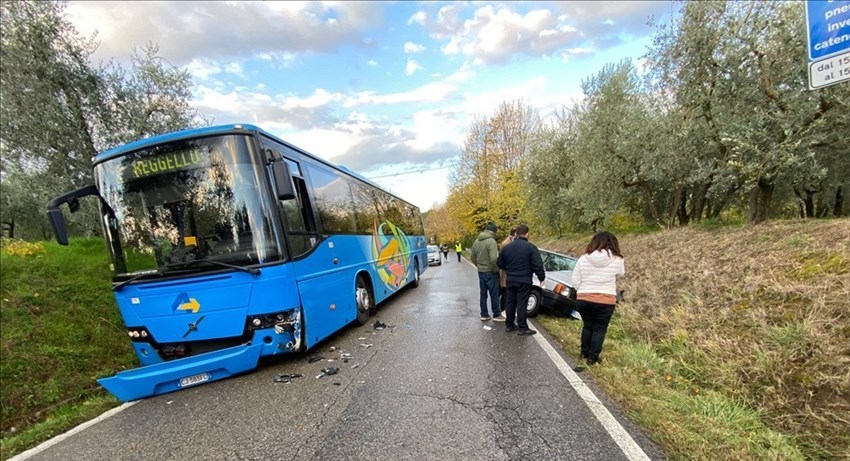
<point>193,305</point>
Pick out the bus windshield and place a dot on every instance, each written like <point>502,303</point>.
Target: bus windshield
<point>173,204</point>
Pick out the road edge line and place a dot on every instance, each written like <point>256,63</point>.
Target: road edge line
<point>49,443</point>
<point>623,439</point>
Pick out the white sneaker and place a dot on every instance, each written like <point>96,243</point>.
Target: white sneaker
<point>500,317</point>
<point>485,318</point>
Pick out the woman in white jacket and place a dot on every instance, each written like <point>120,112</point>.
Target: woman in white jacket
<point>595,282</point>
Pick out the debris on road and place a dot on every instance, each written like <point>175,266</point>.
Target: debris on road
<point>327,372</point>
<point>366,345</point>
<point>315,358</point>
<point>379,326</point>
<point>487,328</point>
<point>286,378</point>
<point>355,365</point>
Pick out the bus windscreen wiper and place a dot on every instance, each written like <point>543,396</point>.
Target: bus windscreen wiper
<point>118,286</point>
<point>250,270</point>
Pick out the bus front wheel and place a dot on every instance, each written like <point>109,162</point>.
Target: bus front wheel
<point>363,299</point>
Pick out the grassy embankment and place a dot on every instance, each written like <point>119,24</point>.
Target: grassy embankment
<point>733,343</point>
<point>59,331</point>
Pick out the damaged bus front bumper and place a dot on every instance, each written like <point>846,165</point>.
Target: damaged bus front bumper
<point>159,377</point>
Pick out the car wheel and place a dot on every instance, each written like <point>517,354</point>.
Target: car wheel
<point>533,304</point>
<point>364,300</point>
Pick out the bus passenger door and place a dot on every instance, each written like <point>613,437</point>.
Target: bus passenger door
<point>327,296</point>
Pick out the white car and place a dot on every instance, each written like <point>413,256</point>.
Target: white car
<point>434,258</point>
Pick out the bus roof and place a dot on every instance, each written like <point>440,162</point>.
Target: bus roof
<point>215,130</point>
<point>174,136</point>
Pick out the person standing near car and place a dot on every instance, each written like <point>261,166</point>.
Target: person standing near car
<point>484,255</point>
<point>521,261</point>
<point>502,275</point>
<point>595,281</point>
<point>445,249</point>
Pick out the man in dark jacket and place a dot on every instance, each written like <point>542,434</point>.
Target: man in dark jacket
<point>484,254</point>
<point>520,260</point>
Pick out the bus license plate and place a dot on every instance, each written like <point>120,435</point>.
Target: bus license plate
<point>192,380</point>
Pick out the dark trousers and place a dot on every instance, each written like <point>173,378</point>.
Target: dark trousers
<point>516,303</point>
<point>458,256</point>
<point>595,318</point>
<point>445,256</point>
<point>488,284</point>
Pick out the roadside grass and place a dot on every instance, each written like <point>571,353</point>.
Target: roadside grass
<point>689,421</point>
<point>59,332</point>
<point>59,421</point>
<point>733,343</point>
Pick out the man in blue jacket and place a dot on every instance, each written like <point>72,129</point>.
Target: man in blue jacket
<point>521,261</point>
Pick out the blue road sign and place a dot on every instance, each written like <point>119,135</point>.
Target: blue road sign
<point>828,26</point>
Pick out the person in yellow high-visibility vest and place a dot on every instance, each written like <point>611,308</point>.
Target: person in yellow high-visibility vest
<point>458,249</point>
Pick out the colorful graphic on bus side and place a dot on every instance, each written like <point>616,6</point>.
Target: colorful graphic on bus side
<point>391,249</point>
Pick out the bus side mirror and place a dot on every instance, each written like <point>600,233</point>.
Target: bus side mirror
<point>284,186</point>
<point>57,219</point>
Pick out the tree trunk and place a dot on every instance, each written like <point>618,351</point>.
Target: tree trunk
<point>676,199</point>
<point>10,226</point>
<point>698,202</point>
<point>807,202</point>
<point>684,218</point>
<point>838,210</point>
<point>760,198</point>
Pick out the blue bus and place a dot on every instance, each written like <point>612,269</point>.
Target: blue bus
<point>228,244</point>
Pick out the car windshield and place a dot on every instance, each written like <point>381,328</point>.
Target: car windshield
<point>433,249</point>
<point>554,262</point>
<point>185,201</point>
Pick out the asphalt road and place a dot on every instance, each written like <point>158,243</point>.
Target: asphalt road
<point>434,385</point>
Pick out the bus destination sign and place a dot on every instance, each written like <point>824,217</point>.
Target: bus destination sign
<point>167,163</point>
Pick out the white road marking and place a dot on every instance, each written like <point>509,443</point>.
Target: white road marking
<point>61,437</point>
<point>630,448</point>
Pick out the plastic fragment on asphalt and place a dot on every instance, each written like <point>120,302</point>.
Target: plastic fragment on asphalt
<point>362,338</point>
<point>379,326</point>
<point>366,345</point>
<point>487,328</point>
<point>337,384</point>
<point>355,365</point>
<point>286,378</point>
<point>315,358</point>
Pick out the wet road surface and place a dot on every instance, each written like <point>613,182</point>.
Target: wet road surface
<point>434,385</point>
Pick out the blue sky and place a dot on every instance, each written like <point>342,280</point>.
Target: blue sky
<point>388,89</point>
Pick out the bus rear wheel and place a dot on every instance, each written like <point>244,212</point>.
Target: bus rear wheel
<point>415,282</point>
<point>363,299</point>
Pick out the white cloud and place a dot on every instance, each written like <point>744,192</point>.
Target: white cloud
<point>413,48</point>
<point>202,69</point>
<point>417,18</point>
<point>462,75</point>
<point>372,63</point>
<point>493,35</point>
<point>223,30</point>
<point>412,67</point>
